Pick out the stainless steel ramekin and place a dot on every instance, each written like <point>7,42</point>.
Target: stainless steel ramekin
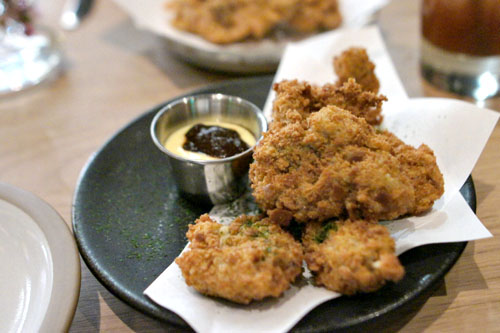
<point>215,181</point>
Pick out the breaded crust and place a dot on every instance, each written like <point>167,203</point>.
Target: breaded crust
<point>351,256</point>
<point>333,163</point>
<point>354,63</point>
<point>230,21</point>
<point>250,259</point>
<point>316,15</point>
<point>306,99</point>
<point>355,90</point>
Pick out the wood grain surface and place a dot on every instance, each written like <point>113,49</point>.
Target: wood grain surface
<point>114,72</point>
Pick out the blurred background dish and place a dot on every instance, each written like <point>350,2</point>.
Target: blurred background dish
<point>243,57</point>
<point>40,280</point>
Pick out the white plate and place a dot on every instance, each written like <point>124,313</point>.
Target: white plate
<point>40,276</point>
<point>244,57</point>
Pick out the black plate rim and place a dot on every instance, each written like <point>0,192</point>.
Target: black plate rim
<point>104,278</point>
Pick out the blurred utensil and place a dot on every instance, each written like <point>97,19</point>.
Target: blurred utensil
<point>73,13</point>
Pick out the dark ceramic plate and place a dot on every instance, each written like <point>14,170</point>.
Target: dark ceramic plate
<point>130,224</point>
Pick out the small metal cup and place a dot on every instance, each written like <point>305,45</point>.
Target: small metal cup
<point>209,182</point>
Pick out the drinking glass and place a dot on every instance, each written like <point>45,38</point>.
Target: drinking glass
<point>29,53</point>
<point>460,46</point>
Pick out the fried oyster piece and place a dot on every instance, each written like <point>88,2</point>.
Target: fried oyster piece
<point>250,259</point>
<point>315,15</point>
<point>229,21</point>
<point>354,63</point>
<point>355,90</point>
<point>332,163</point>
<point>351,256</point>
<point>306,99</point>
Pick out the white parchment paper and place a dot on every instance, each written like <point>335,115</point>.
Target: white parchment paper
<point>455,130</point>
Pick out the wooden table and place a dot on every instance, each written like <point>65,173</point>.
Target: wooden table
<point>113,73</point>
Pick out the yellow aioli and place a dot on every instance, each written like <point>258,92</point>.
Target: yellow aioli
<point>175,140</point>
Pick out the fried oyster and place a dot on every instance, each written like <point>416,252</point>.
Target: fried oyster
<point>330,163</point>
<point>229,21</point>
<point>316,15</point>
<point>304,98</point>
<point>351,256</point>
<point>354,63</point>
<point>356,90</point>
<point>250,259</point>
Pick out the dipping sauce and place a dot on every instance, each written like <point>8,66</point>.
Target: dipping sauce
<point>209,140</point>
<point>214,140</point>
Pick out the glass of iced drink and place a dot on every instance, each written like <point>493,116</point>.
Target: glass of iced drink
<point>29,52</point>
<point>460,47</point>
